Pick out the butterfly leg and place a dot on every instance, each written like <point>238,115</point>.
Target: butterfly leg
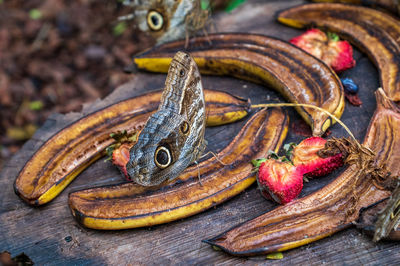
<point>216,157</point>
<point>198,172</point>
<point>186,39</point>
<point>207,37</point>
<point>213,26</point>
<point>125,18</point>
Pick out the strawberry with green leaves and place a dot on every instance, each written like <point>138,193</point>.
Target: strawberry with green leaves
<point>278,179</point>
<point>118,152</point>
<point>327,47</point>
<point>281,180</point>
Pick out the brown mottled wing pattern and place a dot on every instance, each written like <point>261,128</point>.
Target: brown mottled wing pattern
<point>173,137</point>
<point>168,20</point>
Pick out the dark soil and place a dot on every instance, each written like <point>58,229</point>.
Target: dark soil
<point>56,55</point>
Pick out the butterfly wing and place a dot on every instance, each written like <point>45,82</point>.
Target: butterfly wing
<point>168,20</point>
<point>173,137</point>
<point>163,19</point>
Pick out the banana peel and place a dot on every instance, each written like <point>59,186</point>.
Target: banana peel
<point>71,150</point>
<point>298,76</point>
<point>372,31</point>
<point>130,205</point>
<point>389,5</point>
<point>328,210</point>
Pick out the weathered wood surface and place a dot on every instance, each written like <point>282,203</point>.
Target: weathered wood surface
<point>41,232</point>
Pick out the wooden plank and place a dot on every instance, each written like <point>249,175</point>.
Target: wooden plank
<point>43,233</point>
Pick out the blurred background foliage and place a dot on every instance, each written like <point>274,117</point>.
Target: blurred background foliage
<point>56,55</point>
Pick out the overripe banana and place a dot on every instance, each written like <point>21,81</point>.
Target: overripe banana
<point>328,210</point>
<point>71,150</point>
<point>375,32</point>
<point>130,205</point>
<point>390,5</point>
<point>300,77</point>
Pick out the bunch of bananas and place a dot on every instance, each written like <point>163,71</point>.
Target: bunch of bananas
<point>298,76</point>
<point>337,205</point>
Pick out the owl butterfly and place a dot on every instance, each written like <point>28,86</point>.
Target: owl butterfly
<point>173,137</point>
<point>168,20</point>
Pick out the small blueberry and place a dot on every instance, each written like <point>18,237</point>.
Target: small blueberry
<point>349,85</point>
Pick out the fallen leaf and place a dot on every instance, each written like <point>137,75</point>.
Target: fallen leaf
<point>275,256</point>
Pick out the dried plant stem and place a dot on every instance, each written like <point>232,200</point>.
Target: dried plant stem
<point>263,105</point>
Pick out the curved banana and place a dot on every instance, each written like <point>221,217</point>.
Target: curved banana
<point>389,5</point>
<point>71,150</point>
<point>375,32</point>
<point>328,210</point>
<point>300,77</point>
<point>130,205</point>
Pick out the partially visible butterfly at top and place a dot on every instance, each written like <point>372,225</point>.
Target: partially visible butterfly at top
<point>168,20</point>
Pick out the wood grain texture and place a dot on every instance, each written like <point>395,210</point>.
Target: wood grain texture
<point>41,232</point>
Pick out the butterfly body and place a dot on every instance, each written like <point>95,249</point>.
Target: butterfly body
<point>168,20</point>
<point>173,137</point>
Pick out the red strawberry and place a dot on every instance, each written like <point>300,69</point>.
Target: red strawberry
<point>119,151</point>
<point>305,156</point>
<point>312,41</point>
<point>280,181</point>
<point>328,48</point>
<point>120,157</point>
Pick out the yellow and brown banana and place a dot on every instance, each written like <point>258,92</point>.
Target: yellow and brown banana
<point>328,210</point>
<point>298,76</point>
<point>389,5</point>
<point>375,32</point>
<point>130,205</point>
<point>71,150</point>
